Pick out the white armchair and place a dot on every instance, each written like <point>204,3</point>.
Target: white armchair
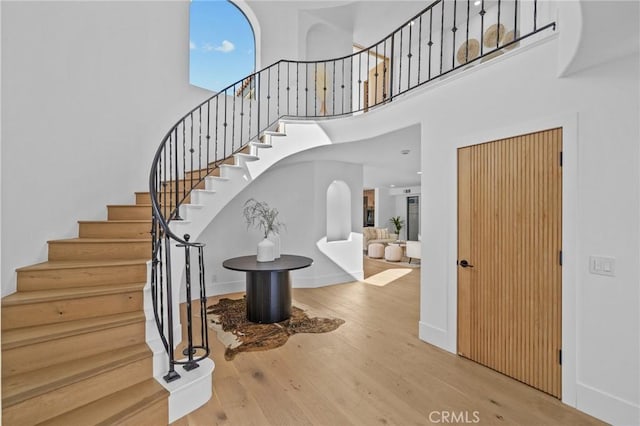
<point>414,250</point>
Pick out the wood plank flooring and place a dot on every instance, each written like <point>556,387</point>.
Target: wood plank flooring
<point>371,370</point>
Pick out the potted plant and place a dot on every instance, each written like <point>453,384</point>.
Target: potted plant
<point>398,223</point>
<point>259,215</point>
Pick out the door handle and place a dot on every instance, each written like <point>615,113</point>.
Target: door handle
<point>465,264</point>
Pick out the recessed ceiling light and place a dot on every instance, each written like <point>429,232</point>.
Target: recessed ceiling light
<point>392,186</point>
<point>405,151</point>
<point>419,173</point>
<point>477,3</point>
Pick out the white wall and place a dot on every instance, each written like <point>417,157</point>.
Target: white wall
<point>89,89</point>
<point>299,192</point>
<point>385,209</point>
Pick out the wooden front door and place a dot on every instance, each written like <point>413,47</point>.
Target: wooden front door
<point>509,257</point>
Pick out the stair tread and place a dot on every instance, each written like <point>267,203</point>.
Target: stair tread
<point>41,333</point>
<point>100,240</point>
<point>274,133</point>
<point>40,296</point>
<point>73,264</point>
<point>115,407</point>
<point>129,205</point>
<point>28,385</point>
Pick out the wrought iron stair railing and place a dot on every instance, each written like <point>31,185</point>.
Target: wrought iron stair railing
<point>443,38</point>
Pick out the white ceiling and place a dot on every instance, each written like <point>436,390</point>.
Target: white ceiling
<point>382,159</point>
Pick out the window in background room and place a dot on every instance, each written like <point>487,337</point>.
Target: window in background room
<point>221,44</point>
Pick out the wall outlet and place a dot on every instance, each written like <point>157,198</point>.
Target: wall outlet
<point>600,265</point>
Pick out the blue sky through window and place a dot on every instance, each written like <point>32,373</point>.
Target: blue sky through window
<point>221,44</point>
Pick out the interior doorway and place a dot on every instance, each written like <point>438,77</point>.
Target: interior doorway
<point>509,257</point>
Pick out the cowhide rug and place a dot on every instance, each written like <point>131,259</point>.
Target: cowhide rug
<point>229,320</point>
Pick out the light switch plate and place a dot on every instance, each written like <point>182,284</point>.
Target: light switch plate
<point>601,265</point>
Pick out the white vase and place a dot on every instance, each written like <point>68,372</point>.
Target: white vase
<point>265,251</point>
<point>275,239</point>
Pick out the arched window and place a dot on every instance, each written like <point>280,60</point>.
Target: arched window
<point>338,211</point>
<point>222,46</point>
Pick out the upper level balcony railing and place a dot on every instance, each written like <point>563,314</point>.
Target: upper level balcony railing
<point>446,37</point>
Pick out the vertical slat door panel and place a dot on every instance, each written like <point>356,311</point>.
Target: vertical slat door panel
<point>510,230</point>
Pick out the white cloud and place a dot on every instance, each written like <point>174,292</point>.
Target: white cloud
<point>192,45</point>
<point>225,47</point>
<point>207,47</point>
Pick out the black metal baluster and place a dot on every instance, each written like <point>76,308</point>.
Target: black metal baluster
<point>241,115</point>
<point>392,65</point>
<point>333,90</point>
<point>498,29</point>
<point>430,44</point>
<point>306,89</point>
<point>172,374</point>
<point>342,87</point>
<point>184,162</point>
<point>419,48</point>
<point>535,15</point>
<point>482,13</point>
<point>224,127</point>
<point>233,120</point>
<point>366,75</point>
<point>208,134</point>
<point>251,91</point>
<point>454,30</point>
<point>400,65</point>
<point>288,86</point>
<point>200,143</point>
<point>466,53</point>
<point>515,20</point>
<point>297,89</point>
<point>278,96</point>
<point>268,97</point>
<point>177,182</point>
<point>191,152</point>
<point>258,107</point>
<point>161,282</point>
<point>351,84</point>
<point>375,94</point>
<point>204,335</point>
<point>360,99</point>
<point>441,36</point>
<point>385,63</point>
<point>215,159</point>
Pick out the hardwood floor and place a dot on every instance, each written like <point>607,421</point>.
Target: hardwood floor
<point>372,370</point>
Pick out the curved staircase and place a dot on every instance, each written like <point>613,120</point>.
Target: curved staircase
<point>77,334</point>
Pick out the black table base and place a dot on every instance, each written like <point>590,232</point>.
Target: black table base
<point>268,285</point>
<point>268,296</point>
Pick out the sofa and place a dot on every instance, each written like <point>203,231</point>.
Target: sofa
<point>376,235</point>
<point>413,250</point>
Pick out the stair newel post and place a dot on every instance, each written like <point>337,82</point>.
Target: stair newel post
<point>172,374</point>
<point>204,335</point>
<point>190,365</point>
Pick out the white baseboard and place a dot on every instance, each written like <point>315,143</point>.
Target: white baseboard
<point>607,407</point>
<point>434,335</point>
